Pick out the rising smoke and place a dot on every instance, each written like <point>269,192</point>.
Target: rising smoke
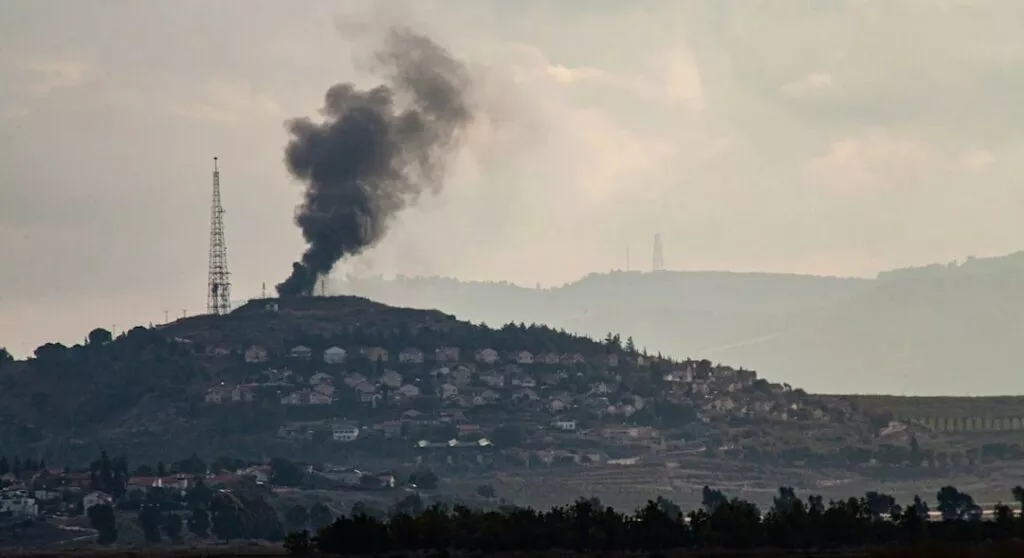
<point>370,157</point>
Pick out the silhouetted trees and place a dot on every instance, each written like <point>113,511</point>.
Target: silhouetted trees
<point>791,522</point>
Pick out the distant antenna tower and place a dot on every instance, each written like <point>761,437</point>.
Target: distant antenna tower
<point>658,263</point>
<point>218,296</point>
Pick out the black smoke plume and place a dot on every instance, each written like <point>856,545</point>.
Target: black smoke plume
<point>374,152</point>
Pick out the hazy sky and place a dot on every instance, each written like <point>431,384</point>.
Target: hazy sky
<point>833,137</point>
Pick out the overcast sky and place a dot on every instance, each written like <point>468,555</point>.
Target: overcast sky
<point>828,137</point>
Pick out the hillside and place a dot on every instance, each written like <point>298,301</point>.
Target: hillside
<point>935,330</point>
<point>274,376</point>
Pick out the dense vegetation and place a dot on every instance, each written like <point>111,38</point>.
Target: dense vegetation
<point>586,525</point>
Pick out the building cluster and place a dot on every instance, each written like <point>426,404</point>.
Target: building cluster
<point>448,400</point>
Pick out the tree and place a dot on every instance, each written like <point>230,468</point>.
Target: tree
<point>172,526</point>
<point>5,466</point>
<point>320,516</point>
<point>1018,492</point>
<point>150,519</point>
<point>296,518</point>
<point>284,472</point>
<point>99,336</point>
<point>198,495</point>
<point>5,357</point>
<point>712,498</point>
<point>426,480</point>
<point>199,522</point>
<point>298,543</point>
<point>101,518</point>
<point>630,345</point>
<point>485,491</point>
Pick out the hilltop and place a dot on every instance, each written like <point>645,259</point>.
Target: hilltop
<point>908,331</point>
<point>347,382</point>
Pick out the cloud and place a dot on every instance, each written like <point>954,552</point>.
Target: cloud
<point>810,84</point>
<point>870,162</point>
<point>977,159</point>
<point>228,103</point>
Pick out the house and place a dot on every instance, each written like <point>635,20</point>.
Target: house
<point>600,388</point>
<point>260,473</point>
<point>367,392</point>
<point>462,374</point>
<point>386,480</point>
<point>301,352</point>
<point>320,378</point>
<point>523,357</point>
<point>324,388</point>
<point>256,353</point>
<point>572,359</point>
<point>306,397</point>
<point>489,395</point>
<point>353,380</point>
<point>558,404</point>
<point>487,356</point>
<point>391,379</point>
<point>389,428</point>
<point>409,390</point>
<point>344,433</point>
<point>96,498</point>
<point>375,354</point>
<point>243,394</point>
<point>446,354</point>
<point>18,502</point>
<point>411,355</point>
<point>611,360</point>
<point>492,378</point>
<point>317,398</point>
<point>447,391</point>
<point>683,375</point>
<point>218,394</point>
<point>349,476</point>
<point>548,358</point>
<point>335,355</point>
<point>523,380</point>
<point>565,425</point>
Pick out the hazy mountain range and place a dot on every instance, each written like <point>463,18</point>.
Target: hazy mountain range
<point>941,329</point>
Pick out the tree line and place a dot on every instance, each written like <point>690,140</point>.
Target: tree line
<point>586,525</point>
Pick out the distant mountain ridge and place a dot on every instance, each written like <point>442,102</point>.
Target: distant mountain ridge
<point>941,329</point>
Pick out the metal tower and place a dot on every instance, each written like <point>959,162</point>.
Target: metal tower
<point>658,263</point>
<point>218,295</point>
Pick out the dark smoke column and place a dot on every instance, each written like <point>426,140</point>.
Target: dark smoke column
<point>370,158</point>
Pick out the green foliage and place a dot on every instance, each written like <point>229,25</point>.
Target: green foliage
<point>102,519</point>
<point>6,357</point>
<point>427,480</point>
<point>172,527</point>
<point>587,526</point>
<point>284,472</point>
<point>298,543</point>
<point>150,519</point>
<point>199,522</point>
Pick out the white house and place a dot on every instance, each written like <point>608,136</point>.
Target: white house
<point>447,391</point>
<point>320,378</point>
<point>218,394</point>
<point>256,353</point>
<point>344,433</point>
<point>96,498</point>
<point>487,356</point>
<point>391,379</point>
<point>524,357</point>
<point>301,352</point>
<point>565,425</point>
<point>493,378</point>
<point>446,354</point>
<point>243,394</point>
<point>411,355</point>
<point>409,390</point>
<point>375,354</point>
<point>335,355</point>
<point>18,503</point>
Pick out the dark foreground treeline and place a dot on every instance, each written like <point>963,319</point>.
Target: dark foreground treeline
<point>790,523</point>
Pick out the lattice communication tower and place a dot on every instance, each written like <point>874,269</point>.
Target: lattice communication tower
<point>218,295</point>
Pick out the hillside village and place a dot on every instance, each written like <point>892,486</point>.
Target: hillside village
<point>614,405</point>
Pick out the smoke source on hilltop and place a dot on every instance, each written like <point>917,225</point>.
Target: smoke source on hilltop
<point>370,158</point>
